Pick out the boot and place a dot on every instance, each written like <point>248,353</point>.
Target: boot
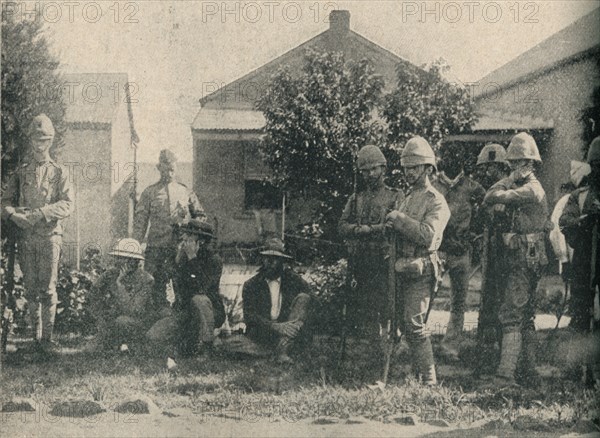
<point>449,348</point>
<point>526,373</point>
<point>423,363</point>
<point>509,356</point>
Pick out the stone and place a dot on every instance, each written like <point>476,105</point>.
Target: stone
<point>526,422</point>
<point>142,405</point>
<point>19,405</point>
<point>438,423</point>
<point>326,420</point>
<point>77,409</point>
<point>494,424</point>
<point>406,419</point>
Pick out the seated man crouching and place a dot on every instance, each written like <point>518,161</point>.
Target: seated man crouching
<point>121,299</point>
<point>198,306</point>
<point>276,303</point>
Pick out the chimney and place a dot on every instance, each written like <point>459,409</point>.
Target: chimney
<point>339,21</point>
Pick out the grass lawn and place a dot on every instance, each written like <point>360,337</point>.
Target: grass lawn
<point>246,389</point>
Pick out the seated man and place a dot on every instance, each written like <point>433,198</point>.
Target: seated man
<point>121,299</point>
<point>276,303</point>
<point>198,306</point>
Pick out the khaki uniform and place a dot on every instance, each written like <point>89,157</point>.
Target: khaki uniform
<point>160,209</point>
<point>463,198</point>
<point>123,308</point>
<point>417,266</point>
<point>45,186</point>
<point>368,303</point>
<point>523,248</point>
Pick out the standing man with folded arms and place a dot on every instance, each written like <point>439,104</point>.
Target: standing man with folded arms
<point>37,198</point>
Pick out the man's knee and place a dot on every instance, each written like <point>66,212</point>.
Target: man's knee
<point>201,302</point>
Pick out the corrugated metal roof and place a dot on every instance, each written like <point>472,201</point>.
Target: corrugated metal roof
<point>579,37</point>
<point>228,120</point>
<point>93,97</point>
<point>496,121</point>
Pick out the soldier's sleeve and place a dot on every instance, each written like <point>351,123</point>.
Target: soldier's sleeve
<point>9,194</point>
<point>569,219</point>
<point>528,193</point>
<point>348,221</point>
<point>429,231</point>
<point>196,209</point>
<point>141,216</point>
<point>65,204</point>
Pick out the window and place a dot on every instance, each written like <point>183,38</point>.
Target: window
<point>260,194</point>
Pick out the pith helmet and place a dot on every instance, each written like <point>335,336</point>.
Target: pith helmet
<point>129,248</point>
<point>41,128</point>
<point>523,147</point>
<point>198,227</point>
<point>594,150</point>
<point>167,157</point>
<point>417,151</point>
<point>369,157</point>
<point>492,153</point>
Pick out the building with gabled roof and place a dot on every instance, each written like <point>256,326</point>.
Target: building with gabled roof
<point>99,154</point>
<point>228,171</point>
<point>543,91</point>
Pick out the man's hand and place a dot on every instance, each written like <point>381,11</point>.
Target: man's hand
<point>395,218</point>
<point>289,329</point>
<point>362,230</point>
<point>34,216</point>
<point>21,220</point>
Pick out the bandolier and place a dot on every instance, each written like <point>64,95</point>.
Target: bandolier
<point>522,198</point>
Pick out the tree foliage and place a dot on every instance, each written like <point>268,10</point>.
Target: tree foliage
<point>317,119</point>
<point>30,85</point>
<point>315,123</point>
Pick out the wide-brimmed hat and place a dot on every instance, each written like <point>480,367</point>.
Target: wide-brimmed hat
<point>197,227</point>
<point>274,247</point>
<point>129,248</point>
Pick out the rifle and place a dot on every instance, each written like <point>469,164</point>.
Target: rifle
<point>349,286</point>
<point>392,337</point>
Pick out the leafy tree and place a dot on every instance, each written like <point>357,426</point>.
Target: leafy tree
<point>425,103</point>
<point>30,85</point>
<point>315,123</point>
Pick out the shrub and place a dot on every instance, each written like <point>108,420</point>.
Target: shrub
<point>328,281</point>
<point>73,289</point>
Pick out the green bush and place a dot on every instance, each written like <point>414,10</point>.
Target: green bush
<point>73,289</point>
<point>328,282</point>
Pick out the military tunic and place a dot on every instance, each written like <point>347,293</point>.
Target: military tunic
<point>463,198</point>
<point>160,209</point>
<point>44,186</point>
<point>419,237</point>
<point>579,235</point>
<point>368,303</point>
<point>123,306</point>
<point>523,247</point>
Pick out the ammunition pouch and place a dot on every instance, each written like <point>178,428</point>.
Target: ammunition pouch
<point>413,268</point>
<point>526,249</point>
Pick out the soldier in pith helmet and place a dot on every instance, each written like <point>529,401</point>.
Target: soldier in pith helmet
<point>362,224</point>
<point>37,198</point>
<point>523,199</point>
<point>419,221</point>
<point>492,166</point>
